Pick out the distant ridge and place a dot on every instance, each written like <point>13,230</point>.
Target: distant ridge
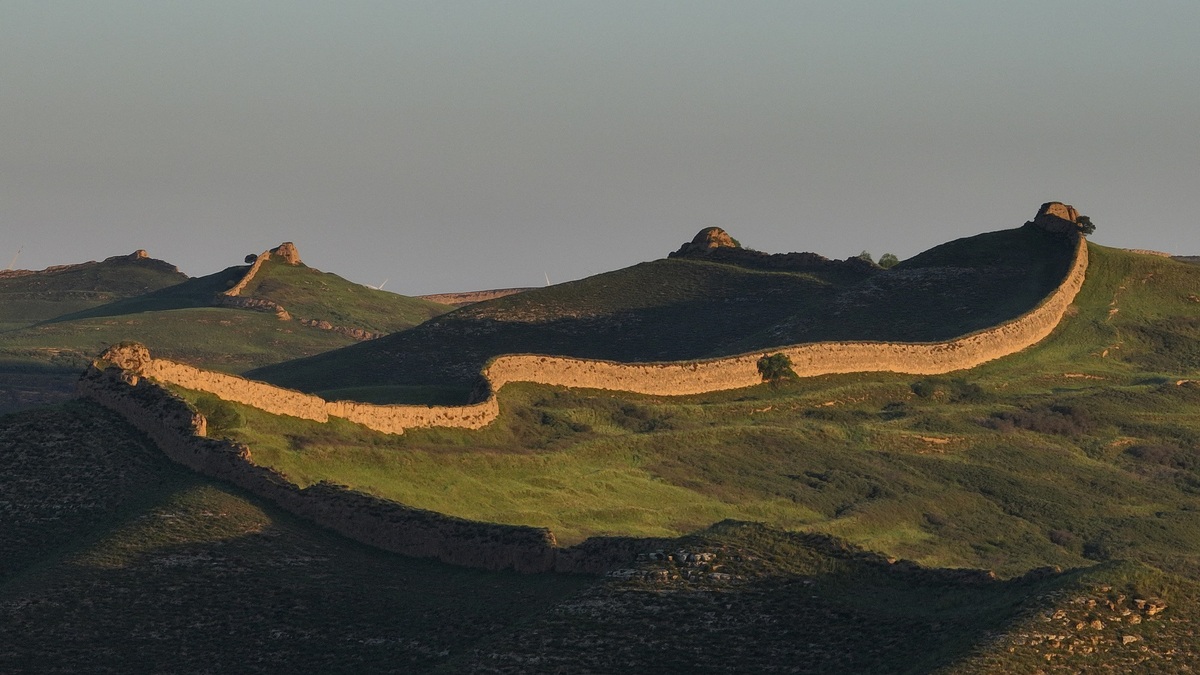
<point>472,297</point>
<point>139,256</point>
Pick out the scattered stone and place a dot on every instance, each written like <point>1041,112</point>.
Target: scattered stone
<point>1129,639</point>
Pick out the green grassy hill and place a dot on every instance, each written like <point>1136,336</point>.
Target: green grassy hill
<point>27,298</point>
<point>303,291</point>
<point>1074,450</point>
<point>1080,452</point>
<point>682,308</point>
<point>114,559</point>
<point>62,319</point>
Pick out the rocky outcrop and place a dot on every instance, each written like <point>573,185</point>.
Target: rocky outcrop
<point>706,241</point>
<point>254,304</point>
<point>286,253</point>
<point>356,333</point>
<point>1057,217</point>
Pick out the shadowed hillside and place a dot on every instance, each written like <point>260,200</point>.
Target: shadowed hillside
<point>27,297</point>
<point>685,308</point>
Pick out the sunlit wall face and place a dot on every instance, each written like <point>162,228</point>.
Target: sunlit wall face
<point>459,145</point>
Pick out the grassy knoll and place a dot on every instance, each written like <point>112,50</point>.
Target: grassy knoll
<point>223,339</point>
<point>311,294</point>
<point>305,292</point>
<point>1079,449</point>
<point>29,298</point>
<point>684,308</point>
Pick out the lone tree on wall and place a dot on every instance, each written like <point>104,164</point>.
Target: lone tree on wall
<point>776,368</point>
<point>1085,225</point>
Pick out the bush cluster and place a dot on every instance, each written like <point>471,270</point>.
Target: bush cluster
<point>1063,420</point>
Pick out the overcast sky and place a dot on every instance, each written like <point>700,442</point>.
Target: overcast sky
<point>455,145</point>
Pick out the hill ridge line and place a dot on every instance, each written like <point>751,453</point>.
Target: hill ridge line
<point>676,378</point>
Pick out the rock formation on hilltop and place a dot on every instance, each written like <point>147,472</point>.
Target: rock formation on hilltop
<point>1057,217</point>
<point>287,253</point>
<point>706,241</point>
<point>715,245</point>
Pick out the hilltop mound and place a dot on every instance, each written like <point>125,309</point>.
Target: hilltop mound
<point>279,283</point>
<point>28,296</point>
<point>193,320</point>
<point>693,307</point>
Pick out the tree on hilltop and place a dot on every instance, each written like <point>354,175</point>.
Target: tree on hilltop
<point>1085,225</point>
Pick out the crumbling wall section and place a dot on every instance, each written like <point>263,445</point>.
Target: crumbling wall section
<point>661,379</point>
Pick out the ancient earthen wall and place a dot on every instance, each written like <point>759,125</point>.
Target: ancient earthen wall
<point>240,286</point>
<point>662,379</point>
<point>178,431</point>
<point>267,397</point>
<point>821,358</point>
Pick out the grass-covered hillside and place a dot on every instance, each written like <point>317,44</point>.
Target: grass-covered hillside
<point>42,355</point>
<point>1079,453</point>
<point>305,292</point>
<point>684,308</point>
<point>115,560</point>
<point>29,297</point>
<point>311,294</point>
<point>1078,449</point>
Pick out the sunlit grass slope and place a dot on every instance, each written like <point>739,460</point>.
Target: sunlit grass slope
<point>303,291</point>
<point>180,322</point>
<point>223,339</point>
<point>684,308</point>
<point>311,294</point>
<point>1079,449</point>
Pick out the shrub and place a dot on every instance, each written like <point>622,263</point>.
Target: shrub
<point>776,368</point>
<point>221,415</point>
<point>1062,538</point>
<point>1161,454</point>
<point>888,260</point>
<point>1062,420</point>
<point>949,390</point>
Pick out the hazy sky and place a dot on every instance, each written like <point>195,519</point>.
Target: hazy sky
<point>459,145</point>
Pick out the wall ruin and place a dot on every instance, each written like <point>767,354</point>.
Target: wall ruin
<point>660,379</point>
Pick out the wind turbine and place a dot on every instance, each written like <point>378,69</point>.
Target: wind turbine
<point>379,287</point>
<point>14,259</point>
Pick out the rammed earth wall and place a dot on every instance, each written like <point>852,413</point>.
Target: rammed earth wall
<point>662,379</point>
<point>179,432</point>
<point>123,380</point>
